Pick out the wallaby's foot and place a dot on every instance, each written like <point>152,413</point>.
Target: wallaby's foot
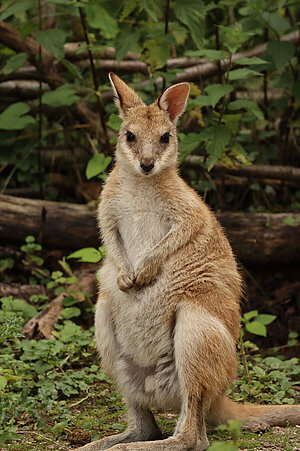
<point>125,279</point>
<point>169,444</point>
<point>141,426</point>
<point>109,442</point>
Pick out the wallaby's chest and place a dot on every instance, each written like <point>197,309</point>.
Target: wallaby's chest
<point>142,219</point>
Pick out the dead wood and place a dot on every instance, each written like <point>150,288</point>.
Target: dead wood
<point>21,291</point>
<point>275,172</point>
<point>256,237</point>
<point>41,325</point>
<point>56,224</point>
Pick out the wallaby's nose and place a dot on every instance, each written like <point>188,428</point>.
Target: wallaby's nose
<point>147,167</point>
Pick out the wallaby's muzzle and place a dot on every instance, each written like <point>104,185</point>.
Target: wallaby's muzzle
<point>147,167</point>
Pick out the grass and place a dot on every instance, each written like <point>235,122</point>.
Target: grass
<point>102,413</point>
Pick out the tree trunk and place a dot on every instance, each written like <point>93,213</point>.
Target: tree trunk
<point>255,237</point>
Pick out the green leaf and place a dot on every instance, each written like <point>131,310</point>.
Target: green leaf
<point>290,221</point>
<point>150,9</point>
<point>278,23</point>
<point>62,96</point>
<point>6,263</point>
<point>72,69</point>
<point>208,53</point>
<point>242,74</point>
<point>242,60</point>
<point>250,315</point>
<point>3,382</point>
<point>87,254</point>
<point>53,41</point>
<point>18,7</point>
<point>256,328</point>
<point>249,105</point>
<point>156,52</point>
<point>126,40</point>
<point>265,318</point>
<point>99,18</point>
<point>129,7</point>
<point>68,301</point>
<point>14,63</point>
<point>71,312</point>
<point>232,121</point>
<point>18,305</point>
<point>179,32</point>
<point>97,164</point>
<point>280,52</point>
<point>218,137</point>
<point>217,91</point>
<point>15,118</point>
<point>114,122</point>
<point>187,144</point>
<point>192,13</point>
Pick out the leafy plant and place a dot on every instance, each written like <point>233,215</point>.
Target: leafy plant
<point>256,323</point>
<point>30,249</point>
<point>89,254</point>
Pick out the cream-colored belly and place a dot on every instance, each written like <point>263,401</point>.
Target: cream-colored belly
<point>140,231</point>
<point>138,316</point>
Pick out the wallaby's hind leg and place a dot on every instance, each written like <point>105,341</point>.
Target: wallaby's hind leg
<point>191,435</point>
<point>141,426</point>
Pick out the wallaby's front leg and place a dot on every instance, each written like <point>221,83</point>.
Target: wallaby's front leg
<point>141,426</point>
<point>115,247</point>
<point>185,224</point>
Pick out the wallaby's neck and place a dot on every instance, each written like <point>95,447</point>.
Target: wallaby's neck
<point>127,176</point>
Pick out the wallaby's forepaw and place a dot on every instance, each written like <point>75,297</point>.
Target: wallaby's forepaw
<point>145,274</point>
<point>126,280</point>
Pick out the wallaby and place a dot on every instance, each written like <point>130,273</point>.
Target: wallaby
<point>167,318</point>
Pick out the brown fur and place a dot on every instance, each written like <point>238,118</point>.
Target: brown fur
<point>167,317</point>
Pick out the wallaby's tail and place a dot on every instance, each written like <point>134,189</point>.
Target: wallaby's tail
<point>253,417</point>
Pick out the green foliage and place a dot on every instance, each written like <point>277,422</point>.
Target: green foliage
<point>234,429</point>
<point>256,323</point>
<point>280,53</point>
<point>64,95</point>
<point>17,306</point>
<point>89,254</point>
<point>53,41</point>
<point>16,8</point>
<point>192,13</point>
<point>15,117</point>
<point>233,111</point>
<point>14,63</point>
<point>30,249</point>
<point>97,165</point>
<point>271,380</point>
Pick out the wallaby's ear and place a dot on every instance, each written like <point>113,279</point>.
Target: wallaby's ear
<point>174,99</point>
<point>125,97</point>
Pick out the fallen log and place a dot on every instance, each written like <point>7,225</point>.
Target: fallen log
<point>41,325</point>
<point>255,237</point>
<point>262,171</point>
<point>21,291</point>
<point>56,224</point>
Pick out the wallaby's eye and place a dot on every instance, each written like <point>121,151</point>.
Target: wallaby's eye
<point>165,138</point>
<point>130,137</point>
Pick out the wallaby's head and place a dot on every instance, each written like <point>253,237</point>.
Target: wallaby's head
<point>147,141</point>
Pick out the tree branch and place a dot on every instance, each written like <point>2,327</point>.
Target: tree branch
<point>254,171</point>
